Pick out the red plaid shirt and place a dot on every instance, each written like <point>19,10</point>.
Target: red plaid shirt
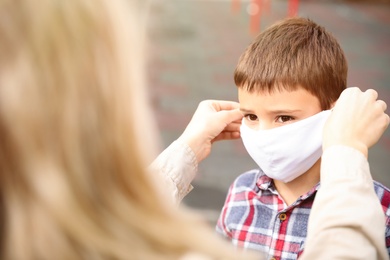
<point>254,216</point>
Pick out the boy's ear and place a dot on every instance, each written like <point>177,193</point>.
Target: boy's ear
<point>332,105</point>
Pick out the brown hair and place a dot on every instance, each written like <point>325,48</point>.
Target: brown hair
<point>294,52</point>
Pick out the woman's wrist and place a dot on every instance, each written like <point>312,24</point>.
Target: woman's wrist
<point>197,145</point>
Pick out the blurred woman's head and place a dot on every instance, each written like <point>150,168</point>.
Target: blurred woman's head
<point>73,114</point>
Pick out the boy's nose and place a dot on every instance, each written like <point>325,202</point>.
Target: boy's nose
<point>263,125</point>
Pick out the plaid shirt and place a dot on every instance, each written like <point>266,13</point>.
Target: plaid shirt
<point>255,216</point>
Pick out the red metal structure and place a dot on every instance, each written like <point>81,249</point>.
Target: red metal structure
<point>257,7</point>
<point>293,7</point>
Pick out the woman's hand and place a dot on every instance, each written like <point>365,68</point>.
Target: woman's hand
<point>212,121</point>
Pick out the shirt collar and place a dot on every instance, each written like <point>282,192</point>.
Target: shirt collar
<point>265,183</point>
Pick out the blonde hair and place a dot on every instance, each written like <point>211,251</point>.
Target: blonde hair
<point>72,178</point>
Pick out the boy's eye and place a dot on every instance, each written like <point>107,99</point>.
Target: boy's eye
<point>251,117</point>
<point>283,119</point>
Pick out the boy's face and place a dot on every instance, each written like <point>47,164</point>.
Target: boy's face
<point>264,110</point>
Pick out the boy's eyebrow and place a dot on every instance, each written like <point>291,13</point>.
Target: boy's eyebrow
<point>246,110</point>
<point>279,111</point>
<point>283,111</point>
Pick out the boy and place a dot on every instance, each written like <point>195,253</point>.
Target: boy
<point>288,79</point>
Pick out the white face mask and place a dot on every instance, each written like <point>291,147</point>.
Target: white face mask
<point>286,152</point>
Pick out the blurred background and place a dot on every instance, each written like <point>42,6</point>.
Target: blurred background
<point>194,48</point>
